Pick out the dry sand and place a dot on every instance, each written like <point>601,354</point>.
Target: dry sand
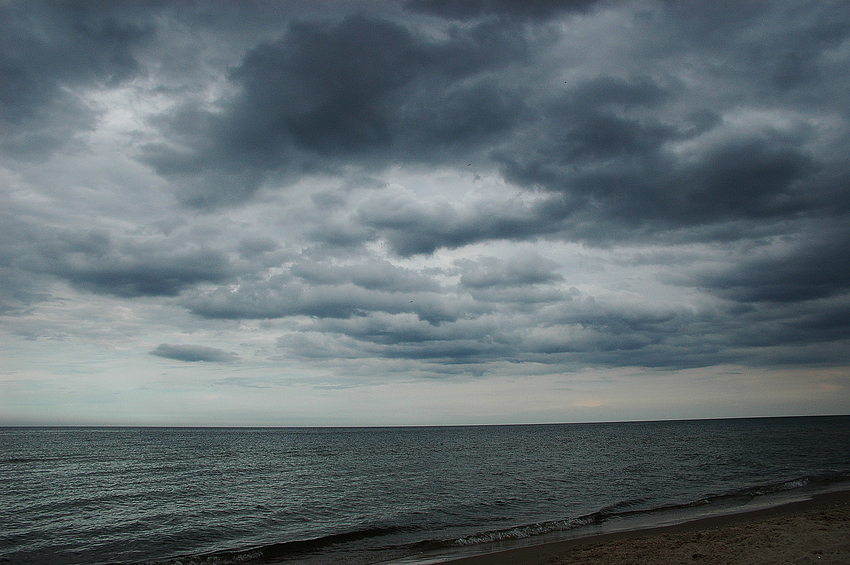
<point>813,531</point>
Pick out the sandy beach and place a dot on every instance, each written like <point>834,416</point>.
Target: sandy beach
<point>812,531</point>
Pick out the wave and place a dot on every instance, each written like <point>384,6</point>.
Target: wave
<point>277,551</point>
<point>301,546</point>
<point>631,508</point>
<point>622,509</point>
<point>11,460</point>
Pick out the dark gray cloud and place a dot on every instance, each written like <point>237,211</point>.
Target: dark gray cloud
<point>621,170</point>
<point>194,353</point>
<point>365,91</point>
<point>284,296</point>
<point>807,271</point>
<point>362,88</point>
<point>95,261</point>
<point>370,275</point>
<point>47,50</point>
<point>465,10</point>
<point>521,271</point>
<point>434,185</point>
<point>413,228</point>
<point>567,330</point>
<point>147,275</point>
<point>250,248</point>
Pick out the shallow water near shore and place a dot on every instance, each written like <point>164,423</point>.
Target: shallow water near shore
<point>369,495</point>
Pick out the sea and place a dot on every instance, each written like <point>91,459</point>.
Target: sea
<point>395,495</point>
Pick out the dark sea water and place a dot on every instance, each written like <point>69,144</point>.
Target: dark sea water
<point>368,495</point>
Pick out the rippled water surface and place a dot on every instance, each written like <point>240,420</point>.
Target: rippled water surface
<point>362,495</point>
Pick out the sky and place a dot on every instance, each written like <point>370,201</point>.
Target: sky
<point>423,212</point>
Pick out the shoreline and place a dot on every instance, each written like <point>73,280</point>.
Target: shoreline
<point>818,529</point>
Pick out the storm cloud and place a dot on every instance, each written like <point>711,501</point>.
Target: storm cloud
<point>48,50</point>
<point>363,88</point>
<point>384,193</point>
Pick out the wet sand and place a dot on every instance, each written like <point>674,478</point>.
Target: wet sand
<point>812,531</point>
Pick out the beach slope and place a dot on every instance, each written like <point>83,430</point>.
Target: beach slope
<point>811,531</point>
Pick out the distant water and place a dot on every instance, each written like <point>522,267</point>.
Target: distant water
<point>366,495</point>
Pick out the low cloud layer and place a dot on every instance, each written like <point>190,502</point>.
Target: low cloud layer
<point>361,193</point>
<point>193,353</point>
